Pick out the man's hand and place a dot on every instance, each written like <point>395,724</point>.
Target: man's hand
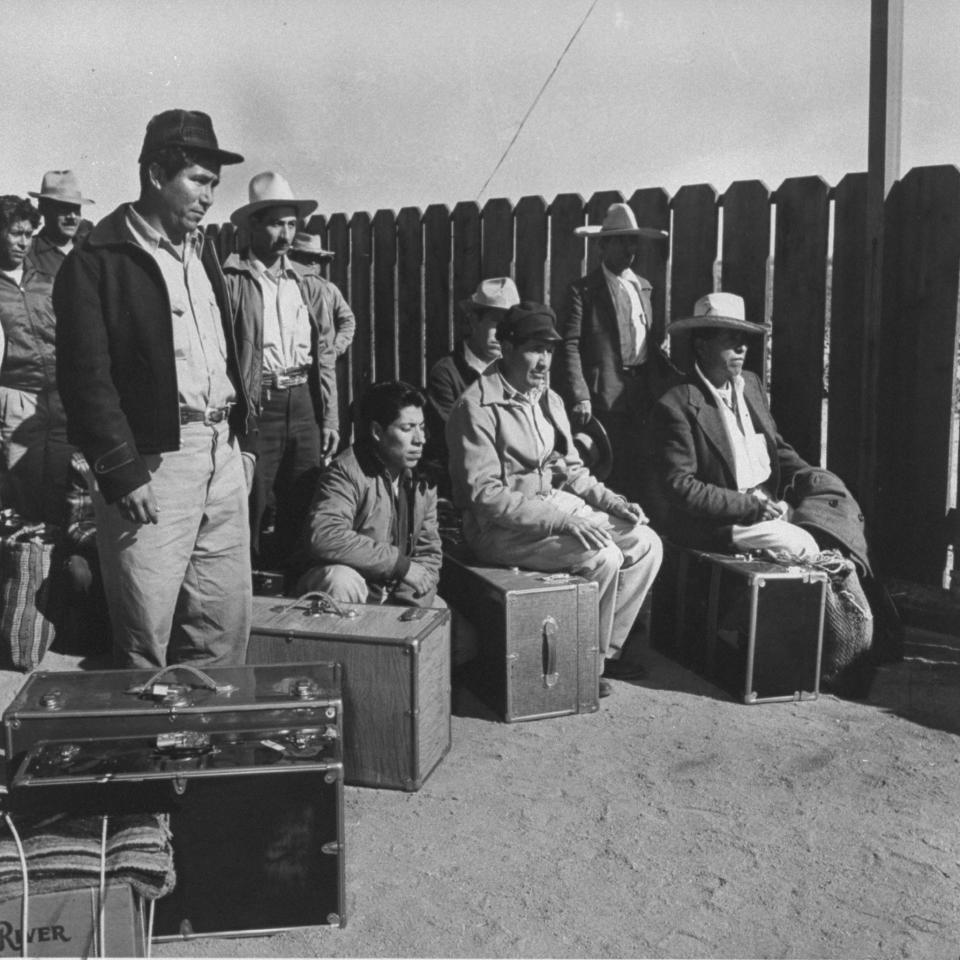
<point>590,530</point>
<point>328,442</point>
<point>629,511</point>
<point>580,413</point>
<point>140,505</point>
<point>420,578</point>
<point>249,467</point>
<point>771,510</point>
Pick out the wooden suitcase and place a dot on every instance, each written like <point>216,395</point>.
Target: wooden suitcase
<point>396,679</point>
<point>761,631</point>
<point>114,703</point>
<point>256,819</point>
<point>537,635</point>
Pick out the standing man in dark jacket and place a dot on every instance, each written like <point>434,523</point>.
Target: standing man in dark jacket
<point>154,398</point>
<point>285,332</point>
<point>608,363</point>
<point>59,201</point>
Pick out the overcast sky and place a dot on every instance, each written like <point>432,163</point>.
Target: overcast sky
<point>365,104</point>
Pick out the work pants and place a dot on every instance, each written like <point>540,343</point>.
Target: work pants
<point>288,464</point>
<point>624,570</point>
<point>180,590</point>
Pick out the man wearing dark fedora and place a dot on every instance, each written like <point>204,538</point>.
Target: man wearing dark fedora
<point>285,332</point>
<point>156,402</point>
<point>59,202</point>
<point>308,250</point>
<point>470,358</point>
<point>528,500</point>
<point>609,365</point>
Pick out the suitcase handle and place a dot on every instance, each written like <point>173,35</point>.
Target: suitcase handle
<point>205,680</point>
<point>321,602</point>
<point>549,652</point>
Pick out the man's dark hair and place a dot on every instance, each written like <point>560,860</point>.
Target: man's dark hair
<point>383,402</point>
<point>13,209</point>
<point>174,159</point>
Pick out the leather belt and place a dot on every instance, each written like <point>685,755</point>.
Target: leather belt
<point>207,417</point>
<point>284,379</point>
<point>634,371</point>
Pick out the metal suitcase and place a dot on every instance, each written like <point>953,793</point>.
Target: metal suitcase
<point>256,819</point>
<point>396,679</point>
<point>538,637</point>
<point>115,703</point>
<point>762,627</point>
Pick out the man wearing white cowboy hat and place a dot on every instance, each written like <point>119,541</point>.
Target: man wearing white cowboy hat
<point>471,357</point>
<point>723,465</point>
<point>609,364</point>
<point>59,201</point>
<point>308,251</point>
<point>285,334</point>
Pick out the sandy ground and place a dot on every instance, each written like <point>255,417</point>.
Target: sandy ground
<point>672,823</point>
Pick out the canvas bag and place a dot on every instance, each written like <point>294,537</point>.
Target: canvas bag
<point>30,600</point>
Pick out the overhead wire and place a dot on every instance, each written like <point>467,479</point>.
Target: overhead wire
<point>536,99</point>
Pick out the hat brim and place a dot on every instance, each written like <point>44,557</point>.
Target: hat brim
<point>717,323</point>
<point>595,431</point>
<point>224,158</point>
<point>73,201</point>
<point>242,214</point>
<point>595,232</point>
<point>471,306</point>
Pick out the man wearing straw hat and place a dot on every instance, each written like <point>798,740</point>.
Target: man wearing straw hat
<point>723,465</point>
<point>307,250</point>
<point>148,371</point>
<point>609,364</point>
<point>285,333</point>
<point>59,202</point>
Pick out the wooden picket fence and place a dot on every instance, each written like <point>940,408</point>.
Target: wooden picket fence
<point>404,272</point>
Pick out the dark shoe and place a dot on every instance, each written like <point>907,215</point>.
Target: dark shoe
<point>618,670</point>
<point>606,688</point>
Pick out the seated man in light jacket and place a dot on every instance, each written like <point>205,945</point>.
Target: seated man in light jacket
<point>528,500</point>
<point>372,534</point>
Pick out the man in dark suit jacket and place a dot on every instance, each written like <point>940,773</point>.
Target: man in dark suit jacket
<point>723,466</point>
<point>609,364</point>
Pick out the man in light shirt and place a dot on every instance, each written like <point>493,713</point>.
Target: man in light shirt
<point>286,335</point>
<point>609,364</point>
<point>156,402</point>
<point>526,496</point>
<point>723,464</point>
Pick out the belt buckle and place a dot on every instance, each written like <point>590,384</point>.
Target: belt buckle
<point>283,381</point>
<point>213,415</point>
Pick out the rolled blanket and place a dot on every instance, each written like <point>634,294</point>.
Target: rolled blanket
<point>63,853</point>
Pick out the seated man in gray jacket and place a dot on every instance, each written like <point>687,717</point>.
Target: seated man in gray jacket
<point>372,535</point>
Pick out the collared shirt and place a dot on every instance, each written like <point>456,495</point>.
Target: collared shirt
<point>751,458</point>
<point>473,360</point>
<point>286,321</point>
<point>631,321</point>
<point>542,427</point>
<point>198,338</point>
<point>15,275</point>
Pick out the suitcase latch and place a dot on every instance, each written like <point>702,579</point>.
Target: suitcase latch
<point>52,700</point>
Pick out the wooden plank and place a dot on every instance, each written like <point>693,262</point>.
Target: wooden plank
<point>694,243</point>
<point>361,366</point>
<point>338,240</point>
<point>438,317</point>
<point>497,238</point>
<point>845,413</point>
<point>410,340</point>
<point>566,250</point>
<point>531,256</point>
<point>799,312</point>
<point>385,295</point>
<point>596,208</point>
<point>744,255</point>
<point>652,209</point>
<point>466,249</point>
<point>918,372</point>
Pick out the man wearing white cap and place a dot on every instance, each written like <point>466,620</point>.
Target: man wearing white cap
<point>609,364</point>
<point>285,334</point>
<point>723,464</point>
<point>470,358</point>
<point>59,201</point>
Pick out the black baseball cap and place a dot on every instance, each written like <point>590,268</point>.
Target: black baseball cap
<point>529,321</point>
